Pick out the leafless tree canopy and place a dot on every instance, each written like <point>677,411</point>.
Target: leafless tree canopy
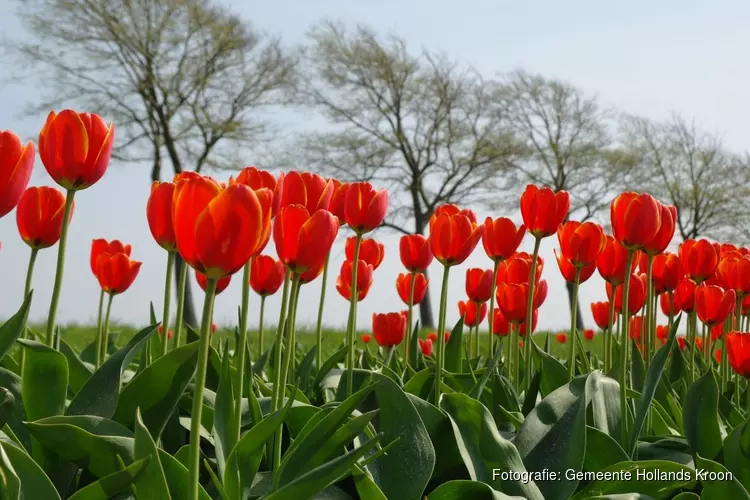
<point>566,140</point>
<point>182,79</point>
<point>414,122</point>
<point>692,170</point>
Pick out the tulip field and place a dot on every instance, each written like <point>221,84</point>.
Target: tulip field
<point>639,409</point>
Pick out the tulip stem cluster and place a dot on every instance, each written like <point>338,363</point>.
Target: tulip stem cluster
<point>441,336</point>
<point>352,324</point>
<point>573,326</point>
<point>181,284</point>
<point>200,384</point>
<point>59,271</point>
<point>624,347</point>
<point>240,351</point>
<point>167,303</point>
<point>319,324</point>
<point>529,312</point>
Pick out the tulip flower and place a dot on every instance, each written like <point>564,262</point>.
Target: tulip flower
<point>478,284</point>
<point>717,355</point>
<point>257,179</point>
<point>662,333</point>
<point>364,280</point>
<point>571,273</point>
<point>684,295</point>
<point>16,165</point>
<point>370,251</point>
<point>366,338</point>
<point>221,283</point>
<point>600,312</point>
<point>561,337</point>
<point>337,200</point>
<point>307,189</point>
<point>734,272</point>
<point>425,345</point>
<point>501,238</point>
<point>668,307</point>
<point>472,312</point>
<point>415,252</point>
<point>681,342</point>
<point>266,275</point>
<point>667,272</point>
<point>403,286</point>
<point>433,336</point>
<point>636,329</point>
<point>738,350</point>
<point>588,334</point>
<point>636,219</point>
<point>365,208</point>
<point>612,262</point>
<point>388,329</point>
<point>500,324</point>
<point>517,269</point>
<point>699,259</point>
<point>303,240</point>
<point>512,298</point>
<point>170,333</point>
<point>522,325</point>
<point>636,294</point>
<point>713,304</point>
<point>543,210</point>
<point>662,239</point>
<point>717,332</point>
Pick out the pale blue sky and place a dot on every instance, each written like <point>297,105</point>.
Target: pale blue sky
<point>640,56</point>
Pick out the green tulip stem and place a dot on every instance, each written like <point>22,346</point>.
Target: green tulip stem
<point>57,287</point>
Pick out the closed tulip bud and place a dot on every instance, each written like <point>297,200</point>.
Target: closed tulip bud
<point>433,336</point>
<point>116,272</point>
<point>612,262</point>
<point>668,307</point>
<point>713,304</point>
<point>221,283</point>
<point>366,338</point>
<point>472,313</point>
<point>600,312</point>
<point>415,252</point>
<point>636,219</point>
<point>684,295</point>
<point>738,352</point>
<point>479,284</point>
<point>543,210</point>
<point>39,216</point>
<point>540,294</point>
<point>159,215</point>
<point>266,275</point>
<point>365,208</point>
<point>581,243</point>
<point>100,246</point>
<point>734,272</point>
<point>666,231</point>
<point>512,299</point>
<point>588,334</point>
<point>522,325</point>
<point>662,333</point>
<point>75,148</point>
<point>517,269</point>
<point>636,294</point>
<point>364,280</point>
<point>501,238</point>
<point>16,165</point>
<point>666,272</point>
<point>451,209</point>
<point>403,286</point>
<point>425,345</point>
<point>561,338</point>
<point>307,189</point>
<point>388,329</point>
<point>717,331</point>
<point>568,269</point>
<point>699,259</point>
<point>453,238</point>
<point>500,324</point>
<point>636,328</point>
<point>302,240</point>
<point>370,251</point>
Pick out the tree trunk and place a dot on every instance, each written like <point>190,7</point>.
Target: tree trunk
<point>579,316</point>
<point>188,311</point>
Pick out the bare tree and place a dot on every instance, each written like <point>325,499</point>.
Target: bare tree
<point>183,80</point>
<point>413,121</point>
<point>567,143</point>
<point>692,170</point>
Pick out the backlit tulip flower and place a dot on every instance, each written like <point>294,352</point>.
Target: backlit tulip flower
<point>600,312</point>
<point>159,215</point>
<point>365,207</point>
<point>517,269</point>
<point>266,275</point>
<point>256,179</point>
<point>479,284</point>
<point>738,352</point>
<point>636,294</point>
<point>214,327</point>
<point>221,283</point>
<point>713,304</point>
<point>662,333</point>
<point>699,259</point>
<point>588,334</point>
<point>453,238</point>
<point>612,262</point>
<point>636,219</point>
<point>433,336</point>
<point>415,252</point>
<point>717,331</point>
<point>522,325</point>
<point>512,299</point>
<point>561,338</point>
<point>666,231</point>
<point>116,272</point>
<point>734,272</point>
<point>307,189</point>
<point>170,332</point>
<point>370,251</point>
<point>39,216</point>
<point>666,272</point>
<point>311,274</point>
<point>100,246</point>
<point>500,324</point>
<point>636,327</point>
<point>16,165</point>
<point>581,243</point>
<point>473,315</point>
<point>388,329</point>
<point>425,345</point>
<point>303,240</point>
<point>403,286</point>
<point>451,209</point>
<point>501,238</point>
<point>366,338</point>
<point>684,295</point>
<point>337,200</point>
<point>364,280</point>
<point>75,148</point>
<point>543,210</point>
<point>540,294</point>
<point>667,307</point>
<point>219,230</point>
<point>568,269</point>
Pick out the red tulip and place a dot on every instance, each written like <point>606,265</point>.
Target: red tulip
<point>266,275</point>
<point>662,333</point>
<point>75,148</point>
<point>453,238</point>
<point>540,294</point>
<point>473,315</point>
<point>517,269</point>
<point>116,272</point>
<point>612,261</point>
<point>717,331</point>
<point>302,240</point>
<point>717,355</point>
<point>257,179</point>
<point>219,230</point>
<point>666,231</point>
<point>636,327</point>
<point>39,216</point>
<point>170,332</point>
<point>746,305</point>
<point>501,238</point>
<point>214,327</point>
<point>16,165</point>
<point>543,210</point>
<point>667,307</point>
<point>738,352</point>
<point>479,284</point>
<point>522,325</point>
<point>682,342</point>
<point>415,252</point>
<point>636,219</point>
<point>581,243</point>
<point>561,338</point>
<point>364,280</point>
<point>159,215</point>
<point>713,304</point>
<point>307,189</point>
<point>568,269</point>
<point>636,294</point>
<point>101,246</point>
<point>600,311</point>
<point>388,329</point>
<point>588,334</point>
<point>512,299</point>
<point>666,272</point>
<point>433,336</point>
<point>364,207</point>
<point>451,209</point>
<point>403,286</point>
<point>366,338</point>
<point>221,283</point>
<point>734,272</point>
<point>370,251</point>
<point>684,295</point>
<point>699,259</point>
<point>311,274</point>
<point>500,324</point>
<point>425,345</point>
<point>337,200</point>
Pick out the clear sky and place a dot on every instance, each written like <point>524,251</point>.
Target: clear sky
<point>640,56</point>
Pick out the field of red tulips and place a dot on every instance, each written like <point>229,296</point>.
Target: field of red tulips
<point>663,412</point>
